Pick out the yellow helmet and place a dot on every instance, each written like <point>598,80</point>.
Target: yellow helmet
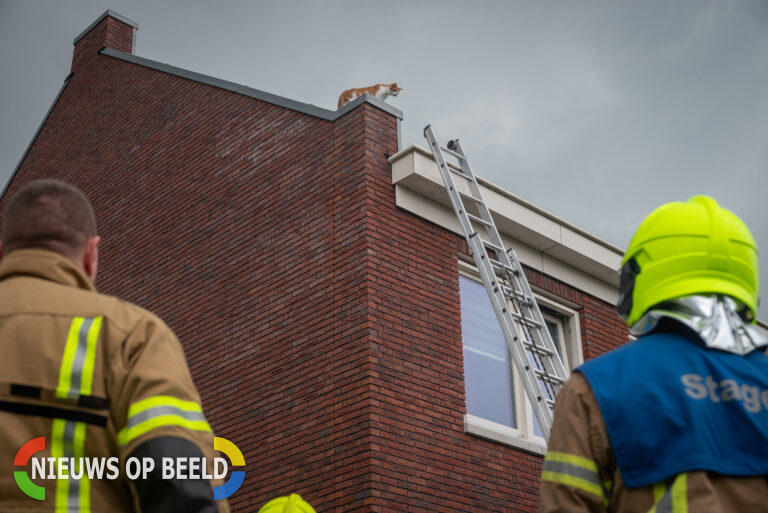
<point>681,249</point>
<point>291,504</point>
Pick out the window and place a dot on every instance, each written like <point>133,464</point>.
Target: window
<point>497,407</point>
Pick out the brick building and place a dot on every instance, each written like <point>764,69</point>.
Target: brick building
<point>315,275</point>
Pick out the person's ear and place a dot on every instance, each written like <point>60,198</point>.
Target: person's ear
<point>91,257</point>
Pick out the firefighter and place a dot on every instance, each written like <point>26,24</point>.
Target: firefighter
<point>290,504</point>
<point>676,421</point>
<point>95,376</point>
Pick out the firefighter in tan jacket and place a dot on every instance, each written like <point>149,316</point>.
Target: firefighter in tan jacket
<point>676,421</point>
<point>95,376</point>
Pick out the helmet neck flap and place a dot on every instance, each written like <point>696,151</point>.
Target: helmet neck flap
<point>715,318</point>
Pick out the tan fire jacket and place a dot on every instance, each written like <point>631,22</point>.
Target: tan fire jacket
<point>580,474</point>
<point>94,375</point>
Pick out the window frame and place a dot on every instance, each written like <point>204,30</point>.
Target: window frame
<point>523,437</point>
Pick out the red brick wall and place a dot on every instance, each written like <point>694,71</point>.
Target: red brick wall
<point>321,323</point>
<point>423,461</point>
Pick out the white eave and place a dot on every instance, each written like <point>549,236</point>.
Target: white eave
<point>542,241</point>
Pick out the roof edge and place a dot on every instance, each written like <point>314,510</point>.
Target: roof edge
<point>503,192</point>
<point>34,137</point>
<point>367,98</point>
<point>98,20</point>
<point>305,108</point>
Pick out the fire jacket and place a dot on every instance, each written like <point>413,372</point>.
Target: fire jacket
<point>582,472</point>
<point>96,377</point>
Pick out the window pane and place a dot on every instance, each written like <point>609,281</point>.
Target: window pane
<point>486,362</point>
<point>552,328</point>
<point>555,334</point>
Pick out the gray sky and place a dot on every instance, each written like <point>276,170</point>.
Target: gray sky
<point>597,111</point>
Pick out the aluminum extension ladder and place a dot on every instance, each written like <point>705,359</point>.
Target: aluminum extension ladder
<point>528,340</point>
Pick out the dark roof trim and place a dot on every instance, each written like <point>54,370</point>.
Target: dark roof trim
<point>305,108</point>
<point>113,14</point>
<point>34,137</point>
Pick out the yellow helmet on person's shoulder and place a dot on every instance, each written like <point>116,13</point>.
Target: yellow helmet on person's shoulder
<point>291,504</point>
<point>686,248</point>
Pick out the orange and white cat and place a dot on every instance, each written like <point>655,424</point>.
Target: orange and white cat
<point>380,91</point>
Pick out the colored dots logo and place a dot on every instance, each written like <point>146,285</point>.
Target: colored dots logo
<point>21,476</point>
<point>237,477</point>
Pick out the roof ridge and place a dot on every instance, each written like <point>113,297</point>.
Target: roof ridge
<point>257,94</point>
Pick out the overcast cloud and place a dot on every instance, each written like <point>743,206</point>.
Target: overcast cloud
<point>595,111</point>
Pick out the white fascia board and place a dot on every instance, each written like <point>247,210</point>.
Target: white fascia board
<point>541,240</point>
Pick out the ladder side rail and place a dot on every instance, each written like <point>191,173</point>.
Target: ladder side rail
<point>442,166</point>
<point>550,365</point>
<point>536,393</point>
<point>558,368</point>
<point>482,207</point>
<point>514,343</point>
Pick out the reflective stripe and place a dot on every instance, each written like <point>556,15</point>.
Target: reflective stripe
<point>673,499</point>
<point>77,365</point>
<point>162,400</point>
<point>578,461</point>
<point>68,440</point>
<point>73,341</point>
<point>587,486</point>
<point>86,383</point>
<point>680,494</point>
<point>158,411</point>
<point>572,470</point>
<point>665,504</point>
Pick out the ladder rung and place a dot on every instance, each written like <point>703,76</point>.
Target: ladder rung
<point>549,378</point>
<point>451,153</point>
<point>538,349</point>
<point>509,292</point>
<point>526,320</point>
<point>455,172</point>
<point>469,196</point>
<point>478,220</point>
<point>491,245</point>
<point>503,266</point>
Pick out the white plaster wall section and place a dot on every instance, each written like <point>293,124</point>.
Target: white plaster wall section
<point>580,280</point>
<point>541,240</point>
<point>425,208</point>
<point>444,217</point>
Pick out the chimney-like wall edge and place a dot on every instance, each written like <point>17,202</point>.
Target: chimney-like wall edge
<point>114,15</point>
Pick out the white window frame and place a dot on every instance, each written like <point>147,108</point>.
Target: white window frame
<point>524,437</point>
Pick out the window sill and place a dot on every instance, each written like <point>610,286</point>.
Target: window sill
<point>505,435</point>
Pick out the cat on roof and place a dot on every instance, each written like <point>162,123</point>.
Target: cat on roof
<point>380,91</point>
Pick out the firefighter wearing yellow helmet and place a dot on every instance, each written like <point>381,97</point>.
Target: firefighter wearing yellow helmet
<point>676,421</point>
<point>291,504</point>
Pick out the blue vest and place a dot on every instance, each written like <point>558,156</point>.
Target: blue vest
<point>671,405</point>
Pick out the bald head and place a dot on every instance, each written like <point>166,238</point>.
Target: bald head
<point>49,214</point>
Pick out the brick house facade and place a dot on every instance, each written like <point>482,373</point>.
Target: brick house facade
<point>313,276</point>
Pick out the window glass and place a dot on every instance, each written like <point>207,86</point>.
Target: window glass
<point>554,331</point>
<point>487,376</point>
<point>489,380</point>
